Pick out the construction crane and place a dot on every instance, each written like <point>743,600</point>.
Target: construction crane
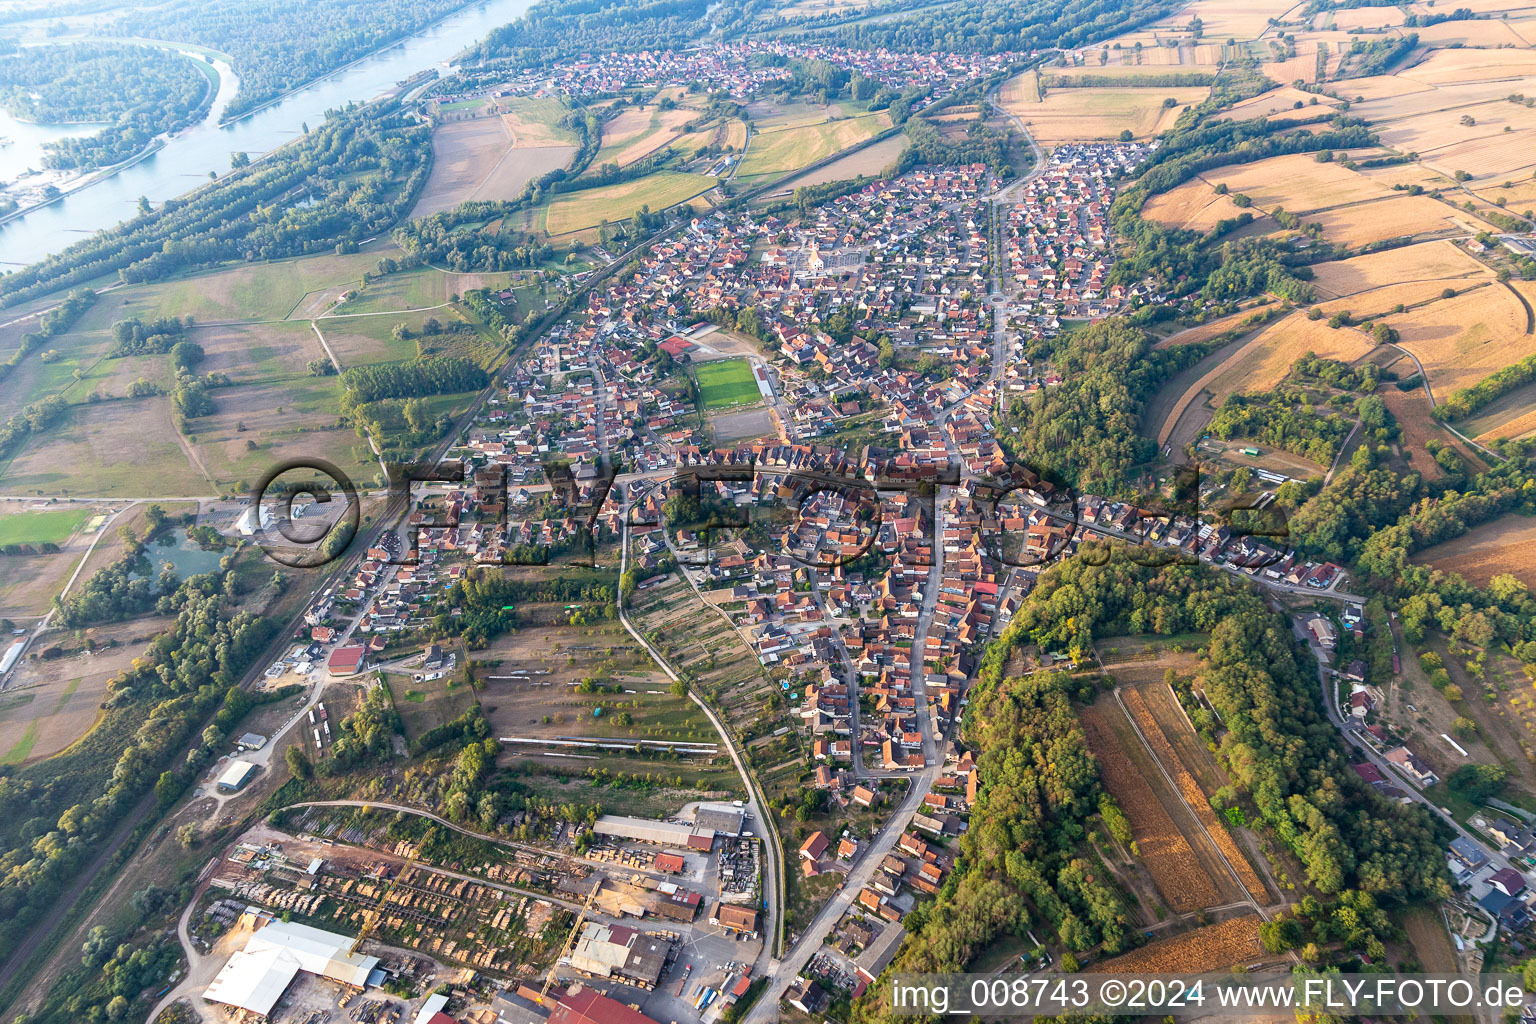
<point>570,940</point>
<point>371,918</point>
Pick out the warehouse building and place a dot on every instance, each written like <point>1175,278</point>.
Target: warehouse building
<point>256,977</point>
<point>236,775</point>
<point>662,833</point>
<point>624,954</point>
<point>720,818</point>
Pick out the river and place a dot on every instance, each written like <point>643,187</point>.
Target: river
<point>183,162</point>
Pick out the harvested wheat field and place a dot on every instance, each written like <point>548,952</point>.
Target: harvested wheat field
<point>1297,182</point>
<point>1399,217</point>
<point>1367,17</point>
<point>638,132</point>
<point>1194,206</point>
<point>1411,410</point>
<point>1209,330</point>
<point>1427,261</point>
<point>1067,115</point>
<point>1506,545</point>
<point>1262,364</point>
<point>1181,860</point>
<point>1382,301</point>
<point>1159,717</point>
<point>1280,104</point>
<point>1212,948</point>
<point>1464,339</point>
<point>1451,67</point>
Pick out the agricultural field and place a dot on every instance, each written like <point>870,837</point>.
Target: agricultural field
<point>1186,868</point>
<point>1280,104</point>
<point>83,456</point>
<point>257,291</point>
<point>775,150</point>
<point>1173,741</point>
<point>1505,545</point>
<point>1411,411</point>
<point>1512,415</point>
<point>869,161</point>
<point>725,383</point>
<point>1298,183</point>
<point>1086,114</point>
<point>574,211</point>
<point>1435,262</point>
<point>484,158</point>
<point>1216,947</point>
<point>1211,328</point>
<point>1461,340</point>
<point>535,121</point>
<point>1193,206</point>
<point>1264,362</point>
<point>49,704</point>
<point>637,132</point>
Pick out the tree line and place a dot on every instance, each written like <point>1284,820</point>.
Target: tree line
<point>137,92</point>
<point>360,173</point>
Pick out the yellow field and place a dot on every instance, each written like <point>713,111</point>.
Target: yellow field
<point>1067,115</point>
<point>638,132</point>
<point>1193,205</point>
<point>1367,17</point>
<point>1483,552</point>
<point>1297,182</point>
<point>1210,329</point>
<point>1450,67</point>
<point>1280,104</point>
<point>1471,33</point>
<point>573,211</point>
<point>1404,215</point>
<point>1262,364</point>
<point>1233,943</point>
<point>1427,261</point>
<point>1462,340</point>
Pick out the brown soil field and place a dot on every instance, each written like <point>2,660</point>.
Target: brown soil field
<point>51,704</point>
<point>1244,19</point>
<point>1364,223</point>
<point>640,131</point>
<point>1303,66</point>
<point>1186,868</point>
<point>1407,105</point>
<point>1506,545</point>
<point>1073,114</point>
<point>1214,947</point>
<point>1262,364</point>
<point>1426,261</point>
<point>1411,410</point>
<point>1194,206</point>
<point>869,161</point>
<point>1162,722</point>
<point>485,158</point>
<point>1297,182</point>
<point>1464,339</point>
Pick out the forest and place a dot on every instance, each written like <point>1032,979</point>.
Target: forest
<point>360,172</point>
<point>279,45</point>
<point>56,815</point>
<point>1088,429</point>
<point>995,26</point>
<point>1022,864</point>
<point>135,92</point>
<point>557,28</point>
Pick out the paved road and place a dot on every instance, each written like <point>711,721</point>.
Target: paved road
<point>773,857</point>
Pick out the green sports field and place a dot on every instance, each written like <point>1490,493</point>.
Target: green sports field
<point>726,383</point>
<point>41,527</point>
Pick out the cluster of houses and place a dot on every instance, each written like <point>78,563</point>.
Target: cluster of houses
<point>1056,238</point>
<point>744,69</point>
